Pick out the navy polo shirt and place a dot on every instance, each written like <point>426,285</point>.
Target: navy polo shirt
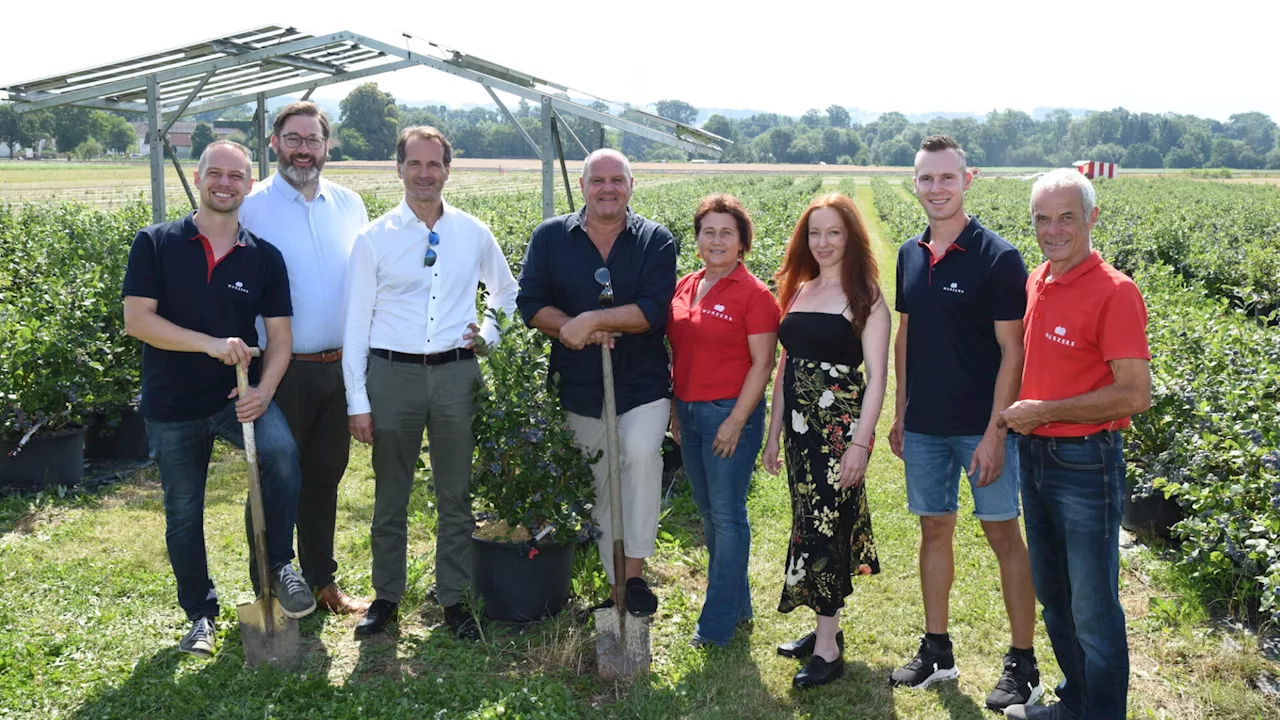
<point>173,264</point>
<point>559,271</point>
<point>952,304</point>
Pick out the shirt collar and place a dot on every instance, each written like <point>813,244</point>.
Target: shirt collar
<point>579,219</point>
<point>291,194</point>
<point>408,216</point>
<point>961,242</point>
<point>1092,261</point>
<point>191,232</point>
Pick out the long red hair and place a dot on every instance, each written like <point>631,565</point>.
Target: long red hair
<point>859,272</point>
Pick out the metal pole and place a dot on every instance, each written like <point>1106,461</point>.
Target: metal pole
<point>155,150</point>
<point>568,191</point>
<point>548,161</point>
<point>177,166</point>
<point>260,127</point>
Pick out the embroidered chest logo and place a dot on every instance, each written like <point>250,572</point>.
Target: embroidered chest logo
<point>953,288</point>
<point>717,310</point>
<point>1059,335</point>
<point>238,287</point>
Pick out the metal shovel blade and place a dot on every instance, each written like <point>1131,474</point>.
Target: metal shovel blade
<point>622,644</point>
<point>269,638</point>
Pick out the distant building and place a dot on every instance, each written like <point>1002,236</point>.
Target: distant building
<point>180,137</point>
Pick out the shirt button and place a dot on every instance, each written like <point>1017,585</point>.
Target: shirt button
<point>1042,297</point>
<point>1036,315</point>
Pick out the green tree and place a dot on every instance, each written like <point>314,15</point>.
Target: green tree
<point>70,127</point>
<point>88,150</point>
<point>200,138</point>
<point>25,129</point>
<point>838,117</point>
<point>1142,155</point>
<point>678,110</point>
<point>353,143</point>
<point>720,125</point>
<point>372,114</point>
<point>1254,128</point>
<point>812,118</point>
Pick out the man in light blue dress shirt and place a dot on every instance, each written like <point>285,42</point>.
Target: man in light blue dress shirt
<point>314,223</point>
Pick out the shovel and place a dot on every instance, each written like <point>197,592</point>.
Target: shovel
<point>268,636</point>
<point>622,644</point>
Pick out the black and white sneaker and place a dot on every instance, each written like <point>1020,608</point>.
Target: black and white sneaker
<point>1019,684</point>
<point>930,665</point>
<point>199,639</point>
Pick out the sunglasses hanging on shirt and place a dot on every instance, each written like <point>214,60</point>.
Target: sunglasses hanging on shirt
<point>432,241</point>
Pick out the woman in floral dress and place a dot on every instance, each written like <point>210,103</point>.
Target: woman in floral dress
<point>835,320</point>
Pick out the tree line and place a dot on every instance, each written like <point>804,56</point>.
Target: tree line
<point>370,118</point>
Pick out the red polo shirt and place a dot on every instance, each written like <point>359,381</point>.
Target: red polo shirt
<point>710,356</point>
<point>1074,326</point>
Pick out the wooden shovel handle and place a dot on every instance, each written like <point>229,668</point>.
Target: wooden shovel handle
<point>256,511</point>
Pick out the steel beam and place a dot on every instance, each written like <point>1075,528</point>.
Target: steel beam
<point>260,127</point>
<point>230,47</point>
<point>232,101</point>
<point>178,113</point>
<point>181,176</point>
<point>155,150</point>
<point>537,152</point>
<point>25,99</point>
<point>548,161</point>
<point>572,134</point>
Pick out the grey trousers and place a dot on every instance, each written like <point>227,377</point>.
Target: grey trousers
<point>404,399</point>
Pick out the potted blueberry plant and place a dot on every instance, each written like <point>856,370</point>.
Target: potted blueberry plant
<point>532,486</point>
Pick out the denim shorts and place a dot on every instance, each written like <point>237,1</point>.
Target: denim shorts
<point>933,464</point>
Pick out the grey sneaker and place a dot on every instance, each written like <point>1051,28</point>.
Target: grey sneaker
<point>1038,712</point>
<point>296,600</point>
<point>199,640</point>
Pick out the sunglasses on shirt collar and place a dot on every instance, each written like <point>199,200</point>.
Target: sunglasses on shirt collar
<point>432,241</point>
<point>606,292</point>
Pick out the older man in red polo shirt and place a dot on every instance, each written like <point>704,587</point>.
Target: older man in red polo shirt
<point>1086,371</point>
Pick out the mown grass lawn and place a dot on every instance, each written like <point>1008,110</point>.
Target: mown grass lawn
<point>89,624</point>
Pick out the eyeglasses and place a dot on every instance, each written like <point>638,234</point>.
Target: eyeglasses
<point>606,293</point>
<point>432,241</point>
<point>314,142</point>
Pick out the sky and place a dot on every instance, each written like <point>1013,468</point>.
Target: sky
<point>1212,60</point>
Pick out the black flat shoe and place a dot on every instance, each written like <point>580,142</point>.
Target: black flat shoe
<point>461,622</point>
<point>818,672</point>
<point>641,601</point>
<point>803,647</point>
<point>376,619</point>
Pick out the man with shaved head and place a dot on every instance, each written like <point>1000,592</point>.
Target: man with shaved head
<point>1087,370</point>
<point>192,291</point>
<point>587,276</point>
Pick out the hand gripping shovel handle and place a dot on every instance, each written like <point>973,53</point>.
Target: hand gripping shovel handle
<point>255,490</point>
<point>612,451</point>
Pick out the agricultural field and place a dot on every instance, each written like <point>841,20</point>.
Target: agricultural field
<point>89,625</point>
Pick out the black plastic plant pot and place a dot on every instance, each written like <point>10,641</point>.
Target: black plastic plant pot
<point>126,441</point>
<point>1155,514</point>
<point>45,461</point>
<point>519,588</point>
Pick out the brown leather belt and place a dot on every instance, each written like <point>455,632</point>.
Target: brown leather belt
<point>324,356</point>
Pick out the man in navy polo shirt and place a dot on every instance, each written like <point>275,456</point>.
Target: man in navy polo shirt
<point>192,290</point>
<point>560,294</point>
<point>958,364</point>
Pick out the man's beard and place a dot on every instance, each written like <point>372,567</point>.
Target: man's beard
<point>299,177</point>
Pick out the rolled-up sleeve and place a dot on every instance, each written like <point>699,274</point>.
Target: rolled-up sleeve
<point>535,281</point>
<point>657,284</point>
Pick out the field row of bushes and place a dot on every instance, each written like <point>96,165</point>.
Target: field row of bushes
<point>1211,436</point>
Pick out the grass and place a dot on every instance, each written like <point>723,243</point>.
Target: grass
<point>89,623</point>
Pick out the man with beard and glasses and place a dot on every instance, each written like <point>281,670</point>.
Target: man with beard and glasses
<point>314,223</point>
<point>192,290</point>
<point>410,363</point>
<point>605,252</point>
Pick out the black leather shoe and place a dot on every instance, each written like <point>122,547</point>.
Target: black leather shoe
<point>641,601</point>
<point>818,672</point>
<point>461,622</point>
<point>803,647</point>
<point>376,619</point>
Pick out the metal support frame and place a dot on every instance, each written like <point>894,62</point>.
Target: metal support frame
<point>564,171</point>
<point>173,117</point>
<point>548,161</point>
<point>181,175</point>
<point>572,134</point>
<point>260,128</point>
<point>537,151</point>
<point>155,150</point>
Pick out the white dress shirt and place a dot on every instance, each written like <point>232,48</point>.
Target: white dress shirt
<point>315,238</point>
<point>395,302</point>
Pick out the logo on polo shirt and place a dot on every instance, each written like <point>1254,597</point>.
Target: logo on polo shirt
<point>953,288</point>
<point>1060,336</point>
<point>717,310</point>
<point>238,287</point>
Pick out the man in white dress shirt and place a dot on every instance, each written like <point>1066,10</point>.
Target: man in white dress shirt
<point>314,223</point>
<point>409,363</point>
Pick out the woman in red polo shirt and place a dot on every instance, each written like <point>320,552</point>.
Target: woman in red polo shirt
<point>723,331</point>
<point>836,318</point>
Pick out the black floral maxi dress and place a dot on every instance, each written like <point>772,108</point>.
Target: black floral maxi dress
<point>831,537</point>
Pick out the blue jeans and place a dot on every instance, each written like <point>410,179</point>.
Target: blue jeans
<point>1072,497</point>
<point>181,450</point>
<point>933,464</point>
<point>720,487</point>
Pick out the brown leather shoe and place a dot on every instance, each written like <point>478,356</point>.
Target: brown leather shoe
<point>337,602</point>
